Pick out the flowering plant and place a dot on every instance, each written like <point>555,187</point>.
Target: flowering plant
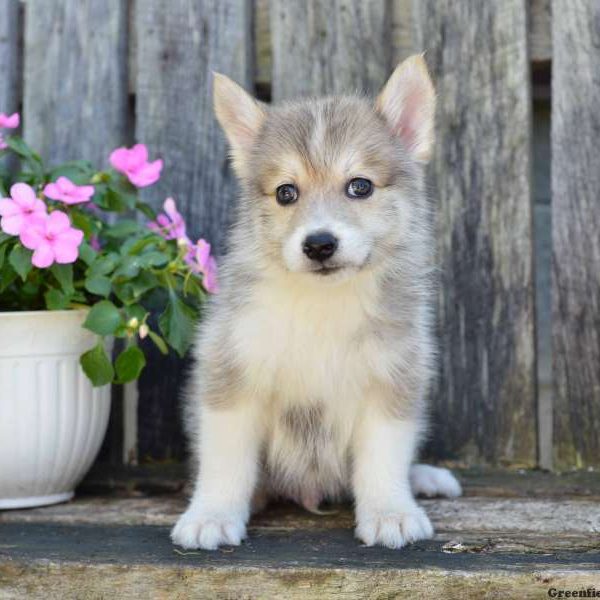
<point>60,249</point>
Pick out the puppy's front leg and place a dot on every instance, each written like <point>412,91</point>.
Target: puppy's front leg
<point>386,511</point>
<point>228,450</point>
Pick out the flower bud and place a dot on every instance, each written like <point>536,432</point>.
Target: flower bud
<point>133,323</point>
<point>144,330</point>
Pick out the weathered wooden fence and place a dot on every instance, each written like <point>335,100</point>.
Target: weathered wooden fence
<point>93,74</point>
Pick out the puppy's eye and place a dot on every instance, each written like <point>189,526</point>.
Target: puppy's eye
<point>359,187</point>
<point>286,194</point>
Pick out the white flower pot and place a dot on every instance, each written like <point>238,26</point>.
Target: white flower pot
<point>52,421</point>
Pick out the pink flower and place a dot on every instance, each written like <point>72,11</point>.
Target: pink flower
<point>9,122</point>
<point>69,193</point>
<point>20,208</point>
<point>201,261</point>
<point>3,144</point>
<point>133,162</point>
<point>52,239</point>
<point>210,276</point>
<point>171,225</point>
<point>95,243</point>
<point>202,253</point>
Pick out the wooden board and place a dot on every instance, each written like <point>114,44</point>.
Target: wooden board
<point>179,44</point>
<point>484,400</point>
<point>322,47</point>
<point>540,30</point>
<point>10,56</point>
<point>403,35</point>
<point>576,233</point>
<point>75,89</point>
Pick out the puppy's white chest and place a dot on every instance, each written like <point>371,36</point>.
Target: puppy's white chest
<point>303,347</point>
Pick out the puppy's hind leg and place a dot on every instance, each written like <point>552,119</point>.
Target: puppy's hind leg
<point>429,481</point>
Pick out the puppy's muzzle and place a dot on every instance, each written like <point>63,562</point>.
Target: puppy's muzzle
<point>320,246</point>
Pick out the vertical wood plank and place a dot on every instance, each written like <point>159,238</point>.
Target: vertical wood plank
<point>10,56</point>
<point>540,30</point>
<point>322,47</point>
<point>576,232</point>
<point>76,100</point>
<point>484,403</point>
<point>179,45</point>
<point>75,96</point>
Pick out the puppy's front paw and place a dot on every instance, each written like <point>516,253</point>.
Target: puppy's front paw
<point>208,530</point>
<point>394,529</point>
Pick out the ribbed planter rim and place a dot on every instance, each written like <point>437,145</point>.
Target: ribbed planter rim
<point>15,313</point>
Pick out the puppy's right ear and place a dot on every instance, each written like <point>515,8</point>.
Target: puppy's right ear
<point>239,114</point>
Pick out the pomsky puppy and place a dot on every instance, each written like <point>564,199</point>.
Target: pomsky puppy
<point>315,356</point>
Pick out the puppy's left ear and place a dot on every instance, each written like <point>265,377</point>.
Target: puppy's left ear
<point>240,116</point>
<point>407,102</point>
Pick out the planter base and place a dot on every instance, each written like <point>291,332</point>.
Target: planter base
<point>28,502</point>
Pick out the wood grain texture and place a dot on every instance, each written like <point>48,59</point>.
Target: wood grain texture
<point>10,56</point>
<point>540,30</point>
<point>75,90</point>
<point>179,45</point>
<point>322,47</point>
<point>576,232</point>
<point>404,40</point>
<point>484,401</point>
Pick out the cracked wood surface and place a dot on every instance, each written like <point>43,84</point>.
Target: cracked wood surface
<point>576,233</point>
<point>484,405</point>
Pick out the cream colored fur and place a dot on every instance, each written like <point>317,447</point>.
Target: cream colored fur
<point>309,386</point>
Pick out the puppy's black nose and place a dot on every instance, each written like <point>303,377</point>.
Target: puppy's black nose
<point>320,246</point>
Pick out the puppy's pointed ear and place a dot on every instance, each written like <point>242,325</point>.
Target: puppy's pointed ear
<point>407,102</point>
<point>239,114</point>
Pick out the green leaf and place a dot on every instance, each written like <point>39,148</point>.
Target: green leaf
<point>124,292</point>
<point>103,265</point>
<point>56,300</point>
<point>103,318</point>
<point>78,171</point>
<point>146,210</point>
<point>129,364</point>
<point>128,198</point>
<point>7,276</point>
<point>83,222</point>
<point>138,245</point>
<point>159,342</point>
<point>193,286</point>
<point>114,199</point>
<point>154,258</point>
<point>144,282</point>
<point>97,366</point>
<point>123,228</point>
<point>177,323</point>
<point>19,147</point>
<point>129,267</point>
<point>20,259</point>
<point>132,290</point>
<point>2,253</point>
<point>87,254</point>
<point>136,311</point>
<point>99,285</point>
<point>64,276</point>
